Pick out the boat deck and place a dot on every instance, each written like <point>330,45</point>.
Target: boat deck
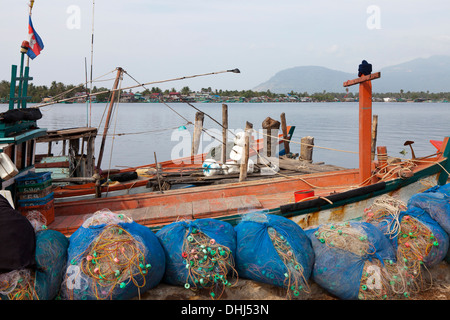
<point>212,201</point>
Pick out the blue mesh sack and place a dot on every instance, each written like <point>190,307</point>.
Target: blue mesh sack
<point>274,250</point>
<point>353,260</point>
<point>200,255</point>
<point>44,281</point>
<point>51,259</point>
<point>112,257</point>
<point>436,202</point>
<point>418,238</point>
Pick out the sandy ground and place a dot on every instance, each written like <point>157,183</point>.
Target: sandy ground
<point>251,290</point>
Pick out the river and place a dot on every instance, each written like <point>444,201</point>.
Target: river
<point>139,130</point>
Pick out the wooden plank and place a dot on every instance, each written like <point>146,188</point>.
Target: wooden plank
<point>220,206</point>
<point>362,79</point>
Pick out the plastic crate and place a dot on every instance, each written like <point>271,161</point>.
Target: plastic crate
<point>32,188</point>
<point>41,193</point>
<point>33,178</point>
<point>47,210</point>
<point>36,201</point>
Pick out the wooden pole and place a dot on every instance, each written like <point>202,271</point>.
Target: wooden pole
<point>198,127</point>
<point>268,124</point>
<point>244,159</point>
<point>374,135</point>
<point>158,173</point>
<point>306,149</point>
<point>365,123</point>
<point>224,132</point>
<point>285,133</point>
<point>365,130</point>
<point>108,117</point>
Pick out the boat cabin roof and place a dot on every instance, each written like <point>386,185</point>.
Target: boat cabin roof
<point>68,134</point>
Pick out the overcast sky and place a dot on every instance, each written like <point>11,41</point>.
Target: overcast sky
<point>162,39</point>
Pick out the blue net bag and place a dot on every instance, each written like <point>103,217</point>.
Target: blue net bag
<point>51,259</point>
<point>112,257</point>
<point>415,235</point>
<point>420,238</point>
<point>436,202</point>
<point>200,254</point>
<point>44,281</point>
<point>274,250</point>
<point>353,260</point>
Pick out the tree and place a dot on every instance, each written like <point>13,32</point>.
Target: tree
<point>186,91</point>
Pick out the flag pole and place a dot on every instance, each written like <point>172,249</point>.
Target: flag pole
<point>29,14</point>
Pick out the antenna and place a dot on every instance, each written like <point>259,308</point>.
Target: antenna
<point>92,62</point>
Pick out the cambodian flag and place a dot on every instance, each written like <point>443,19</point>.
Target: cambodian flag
<point>36,44</point>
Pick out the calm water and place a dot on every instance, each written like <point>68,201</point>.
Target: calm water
<point>152,127</point>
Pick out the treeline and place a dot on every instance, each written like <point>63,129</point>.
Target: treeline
<point>60,90</point>
<point>56,89</point>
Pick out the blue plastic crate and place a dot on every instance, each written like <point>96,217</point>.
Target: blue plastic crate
<point>36,201</point>
<point>34,178</point>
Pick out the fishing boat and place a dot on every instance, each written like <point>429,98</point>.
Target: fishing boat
<point>340,195</point>
<point>337,195</point>
<point>179,173</point>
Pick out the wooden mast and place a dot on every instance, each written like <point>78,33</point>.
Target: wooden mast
<point>108,117</point>
<point>365,123</point>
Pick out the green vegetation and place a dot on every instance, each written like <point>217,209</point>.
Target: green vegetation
<point>59,90</point>
<point>38,93</point>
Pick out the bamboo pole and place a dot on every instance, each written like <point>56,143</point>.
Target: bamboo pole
<point>108,117</point>
<point>224,132</point>
<point>245,156</point>
<point>374,135</point>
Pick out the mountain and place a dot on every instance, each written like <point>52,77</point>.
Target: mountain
<point>422,74</point>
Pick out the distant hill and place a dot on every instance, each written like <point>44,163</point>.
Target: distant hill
<point>422,74</point>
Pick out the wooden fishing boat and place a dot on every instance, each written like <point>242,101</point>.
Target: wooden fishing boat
<point>338,195</point>
<point>141,182</point>
<point>335,195</point>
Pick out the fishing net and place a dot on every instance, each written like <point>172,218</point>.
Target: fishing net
<point>37,220</point>
<point>112,257</point>
<point>436,202</point>
<point>419,241</point>
<point>274,250</point>
<point>421,238</point>
<point>383,214</point>
<point>350,260</point>
<point>44,281</point>
<point>51,258</point>
<point>413,232</point>
<point>200,255</point>
<point>18,285</point>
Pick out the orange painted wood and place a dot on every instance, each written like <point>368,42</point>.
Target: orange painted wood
<point>362,79</point>
<point>365,130</point>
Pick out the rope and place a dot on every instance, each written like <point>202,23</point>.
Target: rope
<point>309,145</point>
<point>79,86</point>
<point>139,85</point>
